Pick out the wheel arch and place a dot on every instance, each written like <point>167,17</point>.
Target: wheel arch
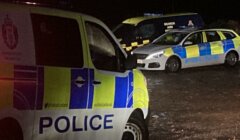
<point>13,126</point>
<point>4,121</point>
<point>234,51</point>
<point>138,125</point>
<point>177,57</point>
<point>137,112</point>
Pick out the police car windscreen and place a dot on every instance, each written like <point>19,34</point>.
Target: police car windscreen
<point>170,38</point>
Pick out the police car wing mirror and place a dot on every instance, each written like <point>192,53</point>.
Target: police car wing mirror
<point>131,62</point>
<point>187,43</point>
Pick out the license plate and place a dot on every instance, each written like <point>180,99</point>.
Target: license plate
<point>140,61</point>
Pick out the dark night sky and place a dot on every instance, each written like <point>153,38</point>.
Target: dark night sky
<point>113,12</point>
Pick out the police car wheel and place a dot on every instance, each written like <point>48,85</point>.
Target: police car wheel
<point>10,130</point>
<point>135,129</point>
<point>173,65</point>
<point>231,59</point>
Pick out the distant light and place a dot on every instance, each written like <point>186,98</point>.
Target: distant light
<point>31,3</point>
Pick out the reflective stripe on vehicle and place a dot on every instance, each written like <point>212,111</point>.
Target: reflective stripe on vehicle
<point>6,86</point>
<point>180,51</point>
<point>215,48</point>
<point>227,45</point>
<point>192,51</point>
<point>51,88</point>
<point>140,98</point>
<point>81,96</point>
<point>123,91</point>
<point>57,86</point>
<point>212,48</point>
<point>104,98</point>
<point>135,45</point>
<point>168,52</point>
<point>236,43</point>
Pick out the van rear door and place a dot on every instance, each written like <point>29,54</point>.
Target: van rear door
<point>18,74</point>
<point>63,77</point>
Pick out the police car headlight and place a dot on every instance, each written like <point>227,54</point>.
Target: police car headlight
<point>155,55</point>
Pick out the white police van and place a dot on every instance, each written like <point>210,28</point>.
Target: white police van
<point>63,76</point>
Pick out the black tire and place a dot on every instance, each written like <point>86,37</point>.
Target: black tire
<point>231,59</point>
<point>10,130</point>
<point>173,65</point>
<point>136,128</point>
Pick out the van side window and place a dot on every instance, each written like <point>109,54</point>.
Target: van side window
<point>212,36</point>
<point>105,53</point>
<point>57,41</point>
<point>126,32</point>
<point>147,30</point>
<point>228,35</point>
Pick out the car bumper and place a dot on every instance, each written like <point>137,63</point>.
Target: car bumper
<point>152,64</point>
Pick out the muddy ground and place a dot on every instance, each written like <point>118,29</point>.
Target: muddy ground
<point>195,104</point>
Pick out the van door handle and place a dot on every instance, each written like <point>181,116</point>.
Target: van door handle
<point>80,81</point>
<point>96,82</point>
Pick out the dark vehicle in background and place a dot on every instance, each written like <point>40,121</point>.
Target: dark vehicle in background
<point>138,31</point>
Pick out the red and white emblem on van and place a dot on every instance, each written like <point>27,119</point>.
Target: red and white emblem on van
<point>9,33</point>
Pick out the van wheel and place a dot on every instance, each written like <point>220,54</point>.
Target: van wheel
<point>10,130</point>
<point>173,65</point>
<point>135,128</point>
<point>231,59</point>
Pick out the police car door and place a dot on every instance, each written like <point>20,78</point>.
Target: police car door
<point>215,45</point>
<point>110,83</point>
<point>195,50</point>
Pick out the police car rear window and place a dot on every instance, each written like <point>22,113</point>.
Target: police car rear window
<point>229,35</point>
<point>57,41</point>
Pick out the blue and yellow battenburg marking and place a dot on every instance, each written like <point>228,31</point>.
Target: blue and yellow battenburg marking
<point>123,91</point>
<point>204,49</point>
<point>80,97</point>
<point>55,88</point>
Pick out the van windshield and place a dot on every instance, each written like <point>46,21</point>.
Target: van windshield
<point>171,38</point>
<point>126,32</point>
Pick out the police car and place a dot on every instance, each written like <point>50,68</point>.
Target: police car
<point>63,76</point>
<point>136,32</point>
<point>190,47</point>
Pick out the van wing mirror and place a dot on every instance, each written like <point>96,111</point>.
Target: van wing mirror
<point>131,62</point>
